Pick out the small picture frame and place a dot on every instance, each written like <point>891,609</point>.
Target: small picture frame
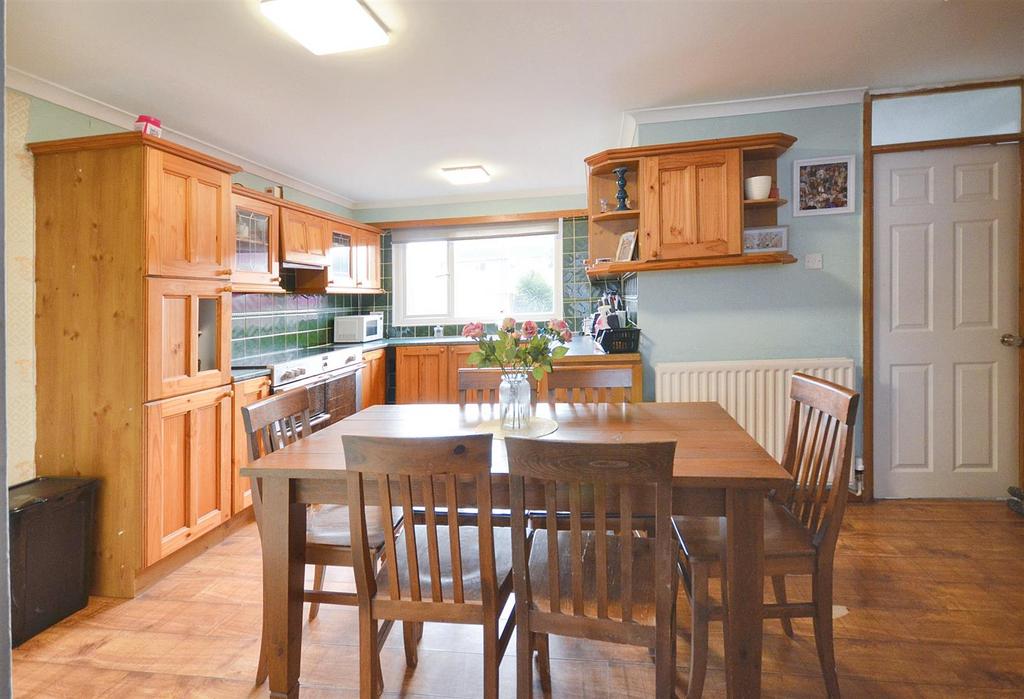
<point>824,186</point>
<point>765,239</point>
<point>627,243</point>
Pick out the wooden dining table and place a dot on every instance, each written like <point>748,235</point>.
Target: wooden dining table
<point>719,470</point>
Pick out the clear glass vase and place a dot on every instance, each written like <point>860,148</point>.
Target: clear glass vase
<point>515,402</point>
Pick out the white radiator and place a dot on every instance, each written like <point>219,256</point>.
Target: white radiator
<point>754,392</point>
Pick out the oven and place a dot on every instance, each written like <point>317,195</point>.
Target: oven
<point>333,395</point>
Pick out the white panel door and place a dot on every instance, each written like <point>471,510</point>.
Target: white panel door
<point>946,237</point>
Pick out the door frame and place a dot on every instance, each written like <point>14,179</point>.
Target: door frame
<point>867,253</point>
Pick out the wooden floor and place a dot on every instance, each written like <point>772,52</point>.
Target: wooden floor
<point>934,592</point>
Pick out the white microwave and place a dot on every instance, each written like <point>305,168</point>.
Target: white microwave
<point>359,328</point>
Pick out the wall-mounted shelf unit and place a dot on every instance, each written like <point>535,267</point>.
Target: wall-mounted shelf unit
<point>686,203</point>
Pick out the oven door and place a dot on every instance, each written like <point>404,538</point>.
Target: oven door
<point>333,396</point>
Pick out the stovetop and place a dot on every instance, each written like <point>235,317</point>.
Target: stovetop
<point>302,364</point>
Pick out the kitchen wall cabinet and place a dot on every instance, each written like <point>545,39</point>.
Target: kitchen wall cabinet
<point>257,233</point>
<point>421,374</point>
<point>686,203</point>
<point>188,217</point>
<point>341,251</point>
<point>188,336</point>
<point>132,328</point>
<point>188,469</point>
<point>304,238</point>
<point>367,260</point>
<point>245,393</point>
<point>695,206</point>
<point>374,378</point>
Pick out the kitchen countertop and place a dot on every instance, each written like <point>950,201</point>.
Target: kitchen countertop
<point>254,367</point>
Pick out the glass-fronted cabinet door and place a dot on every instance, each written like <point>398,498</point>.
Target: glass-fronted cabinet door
<point>255,265</point>
<point>340,271</point>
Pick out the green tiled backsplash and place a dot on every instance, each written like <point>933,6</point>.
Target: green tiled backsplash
<point>271,322</point>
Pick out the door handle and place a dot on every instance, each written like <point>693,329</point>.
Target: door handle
<point>1011,340</point>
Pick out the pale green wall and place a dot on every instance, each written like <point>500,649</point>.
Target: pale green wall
<point>760,312</point>
<point>49,121</point>
<point>479,208</point>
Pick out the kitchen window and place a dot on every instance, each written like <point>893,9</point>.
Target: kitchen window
<point>482,273</point>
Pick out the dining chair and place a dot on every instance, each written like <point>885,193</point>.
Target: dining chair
<point>272,424</point>
<point>481,386</point>
<point>603,583</point>
<point>801,526</point>
<point>568,384</point>
<point>441,571</point>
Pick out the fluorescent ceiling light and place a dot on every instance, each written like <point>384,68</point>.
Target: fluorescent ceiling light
<point>327,26</point>
<point>473,174</point>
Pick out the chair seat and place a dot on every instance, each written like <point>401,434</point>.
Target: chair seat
<point>784,536</point>
<point>643,592</point>
<point>328,525</point>
<point>469,543</point>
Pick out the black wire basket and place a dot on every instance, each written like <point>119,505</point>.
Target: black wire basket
<point>619,340</point>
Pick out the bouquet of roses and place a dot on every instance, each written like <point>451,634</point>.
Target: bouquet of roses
<point>526,349</point>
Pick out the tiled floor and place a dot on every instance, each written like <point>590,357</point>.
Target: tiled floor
<point>935,593</point>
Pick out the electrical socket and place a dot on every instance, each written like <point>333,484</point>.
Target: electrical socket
<point>813,261</point>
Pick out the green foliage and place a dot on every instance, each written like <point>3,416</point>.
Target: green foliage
<point>533,294</point>
<point>514,355</point>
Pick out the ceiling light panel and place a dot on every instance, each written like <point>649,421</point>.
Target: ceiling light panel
<point>327,26</point>
<point>473,174</point>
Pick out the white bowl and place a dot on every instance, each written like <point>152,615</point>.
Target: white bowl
<point>757,187</point>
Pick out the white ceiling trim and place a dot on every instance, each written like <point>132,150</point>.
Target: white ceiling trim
<point>65,97</point>
<point>473,198</point>
<point>757,105</point>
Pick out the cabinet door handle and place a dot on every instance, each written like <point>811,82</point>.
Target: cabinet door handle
<point>223,272</point>
<point>223,289</point>
<point>275,279</point>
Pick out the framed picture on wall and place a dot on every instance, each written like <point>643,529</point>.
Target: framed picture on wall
<point>824,186</point>
<point>765,239</point>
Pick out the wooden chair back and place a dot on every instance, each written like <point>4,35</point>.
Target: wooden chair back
<point>276,422</point>
<point>600,483</point>
<point>568,384</point>
<point>819,444</point>
<point>429,473</point>
<point>480,386</point>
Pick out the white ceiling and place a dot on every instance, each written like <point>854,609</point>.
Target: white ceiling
<point>527,89</point>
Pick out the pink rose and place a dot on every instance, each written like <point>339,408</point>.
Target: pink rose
<point>473,330</point>
<point>508,325</point>
<point>558,325</point>
<point>529,329</point>
<point>567,335</point>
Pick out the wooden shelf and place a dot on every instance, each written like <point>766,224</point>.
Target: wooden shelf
<point>765,203</point>
<point>616,215</point>
<point>617,269</point>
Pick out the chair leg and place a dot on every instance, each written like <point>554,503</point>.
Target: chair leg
<point>822,594</point>
<point>318,585</point>
<point>540,642</point>
<point>263,664</point>
<point>410,639</point>
<point>370,686</point>
<point>491,659</point>
<point>701,616</point>
<point>779,585</point>
<point>525,644</point>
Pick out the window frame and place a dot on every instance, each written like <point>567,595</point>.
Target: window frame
<point>402,319</point>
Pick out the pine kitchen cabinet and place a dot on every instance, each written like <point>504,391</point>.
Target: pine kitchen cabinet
<point>188,469</point>
<point>188,336</point>
<point>132,339</point>
<point>255,263</point>
<point>421,374</point>
<point>304,238</point>
<point>374,378</point>
<point>245,393</point>
<point>188,203</point>
<point>367,260</point>
<point>686,203</point>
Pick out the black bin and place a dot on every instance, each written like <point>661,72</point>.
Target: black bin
<point>51,551</point>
